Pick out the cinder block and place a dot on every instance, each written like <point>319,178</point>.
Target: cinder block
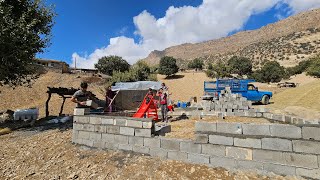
<point>113,129</point>
<point>301,160</point>
<point>77,126</point>
<point>239,153</point>
<point>120,122</point>
<point>140,149</point>
<point>143,132</point>
<point>246,165</point>
<point>98,144</point>
<point>136,141</point>
<point>152,142</point>
<point>81,111</point>
<point>308,173</point>
<point>81,119</point>
<point>286,131</point>
<point>190,147</point>
<point>223,140</point>
<point>276,144</point>
<point>107,121</point>
<point>205,127</point>
<point>268,156</point>
<point>88,127</point>
<point>170,144</point>
<point>120,139</point>
<point>279,169</point>
<point>229,128</point>
<point>95,136</point>
<point>87,142</point>
<point>125,147</point>
<point>127,131</point>
<point>147,125</point>
<point>202,138</point>
<point>278,117</point>
<point>158,152</point>
<point>109,138</point>
<point>178,156</point>
<point>287,119</point>
<point>256,129</point>
<point>228,163</point>
<point>259,115</point>
<point>267,115</point>
<point>83,135</point>
<point>305,146</point>
<point>112,146</point>
<point>214,150</point>
<point>75,137</point>
<point>311,133</point>
<point>134,123</point>
<point>100,128</point>
<point>95,120</point>
<point>248,142</point>
<point>198,158</point>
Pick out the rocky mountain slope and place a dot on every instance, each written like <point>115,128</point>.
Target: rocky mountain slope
<point>288,41</point>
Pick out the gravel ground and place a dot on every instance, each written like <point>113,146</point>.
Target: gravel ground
<point>47,153</point>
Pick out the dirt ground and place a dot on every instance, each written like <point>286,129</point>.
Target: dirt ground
<point>48,154</point>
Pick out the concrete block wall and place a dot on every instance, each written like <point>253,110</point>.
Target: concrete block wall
<point>282,149</point>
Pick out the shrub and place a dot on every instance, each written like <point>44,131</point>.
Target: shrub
<point>196,64</point>
<point>272,71</point>
<point>314,68</point>
<point>219,70</point>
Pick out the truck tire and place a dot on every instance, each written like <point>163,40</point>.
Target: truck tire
<point>265,100</point>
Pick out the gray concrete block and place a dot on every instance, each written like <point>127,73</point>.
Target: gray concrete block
<point>112,146</point>
<point>87,142</point>
<point>109,138</point>
<point>205,127</point>
<point>152,142</point>
<point>202,138</point>
<point>159,152</point>
<point>100,128</point>
<point>95,120</point>
<point>120,139</point>
<point>95,136</point>
<point>127,131</point>
<point>286,131</point>
<point>147,125</point>
<point>214,150</point>
<point>83,135</point>
<point>143,132</point>
<point>134,123</point>
<point>190,147</point>
<point>75,137</point>
<point>311,147</point>
<point>222,140</point>
<point>81,111</point>
<point>300,160</point>
<point>308,173</point>
<point>177,155</point>
<point>77,126</point>
<point>279,169</point>
<point>88,127</point>
<point>256,129</point>
<point>239,153</point>
<point>120,122</point>
<point>98,144</point>
<point>107,121</point>
<point>228,163</point>
<point>287,119</point>
<point>113,129</point>
<point>267,115</point>
<point>276,144</point>
<point>141,149</point>
<point>248,142</point>
<point>170,144</point>
<point>268,156</point>
<point>311,133</point>
<point>125,147</point>
<point>249,165</point>
<point>198,158</point>
<point>230,128</point>
<point>136,141</point>
<point>278,117</point>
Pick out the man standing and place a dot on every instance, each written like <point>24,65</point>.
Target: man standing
<point>81,96</point>
<point>163,104</point>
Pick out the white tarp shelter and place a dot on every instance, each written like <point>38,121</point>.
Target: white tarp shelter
<point>139,85</point>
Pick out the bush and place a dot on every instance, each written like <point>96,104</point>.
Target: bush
<point>272,71</point>
<point>314,68</point>
<point>196,64</point>
<point>107,65</point>
<point>219,70</point>
<point>240,65</point>
<point>168,66</point>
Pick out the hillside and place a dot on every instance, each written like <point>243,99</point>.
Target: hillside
<point>288,41</point>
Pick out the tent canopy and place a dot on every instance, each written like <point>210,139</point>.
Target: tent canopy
<point>139,85</point>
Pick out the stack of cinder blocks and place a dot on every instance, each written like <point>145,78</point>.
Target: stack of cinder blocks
<point>279,148</point>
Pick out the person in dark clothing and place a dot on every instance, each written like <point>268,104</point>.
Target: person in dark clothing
<point>81,96</point>
<point>109,97</point>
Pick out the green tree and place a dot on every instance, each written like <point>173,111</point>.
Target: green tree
<point>108,64</point>
<point>218,70</point>
<point>168,66</point>
<point>25,29</point>
<point>300,68</point>
<point>240,65</point>
<point>141,70</point>
<point>196,64</point>
<point>272,71</point>
<point>314,69</point>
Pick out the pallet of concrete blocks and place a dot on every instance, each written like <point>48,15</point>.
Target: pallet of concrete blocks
<point>229,102</point>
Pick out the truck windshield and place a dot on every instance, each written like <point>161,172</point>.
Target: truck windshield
<point>251,87</point>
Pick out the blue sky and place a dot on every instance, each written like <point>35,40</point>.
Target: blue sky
<point>87,30</point>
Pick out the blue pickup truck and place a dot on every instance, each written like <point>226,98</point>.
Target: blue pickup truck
<point>212,89</point>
